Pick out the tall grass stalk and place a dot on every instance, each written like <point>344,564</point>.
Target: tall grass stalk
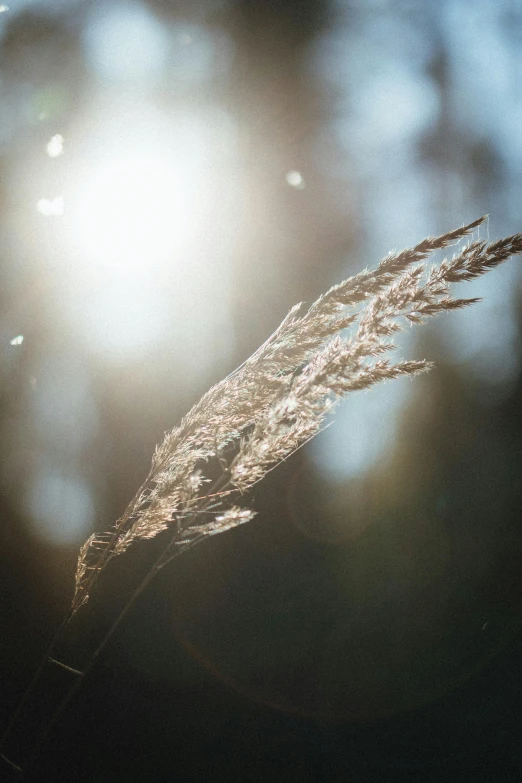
<point>269,407</point>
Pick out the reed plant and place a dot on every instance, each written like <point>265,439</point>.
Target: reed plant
<point>269,407</point>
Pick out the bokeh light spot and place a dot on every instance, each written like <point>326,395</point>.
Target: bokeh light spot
<point>54,146</point>
<point>51,207</point>
<point>61,507</point>
<point>125,41</point>
<point>295,180</point>
<point>364,431</point>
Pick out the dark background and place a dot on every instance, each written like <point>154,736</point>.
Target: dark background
<point>366,626</point>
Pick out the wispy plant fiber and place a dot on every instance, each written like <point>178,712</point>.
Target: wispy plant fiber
<point>279,398</point>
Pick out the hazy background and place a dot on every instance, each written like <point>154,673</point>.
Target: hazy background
<point>174,176</point>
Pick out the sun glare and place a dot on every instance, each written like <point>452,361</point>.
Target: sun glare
<point>131,213</point>
<point>130,222</point>
<point>139,213</point>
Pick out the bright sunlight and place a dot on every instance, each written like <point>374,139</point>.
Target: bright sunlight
<point>132,213</point>
<point>134,200</point>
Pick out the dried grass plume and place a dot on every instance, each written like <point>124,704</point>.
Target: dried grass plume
<point>279,398</point>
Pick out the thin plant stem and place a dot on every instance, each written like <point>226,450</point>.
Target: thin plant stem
<point>36,677</point>
<point>47,658</point>
<point>165,557</point>
<point>73,690</point>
